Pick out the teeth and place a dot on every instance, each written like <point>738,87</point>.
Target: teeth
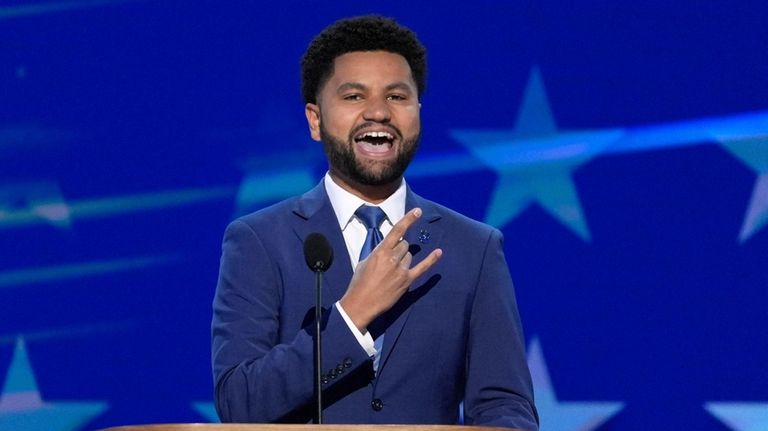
<point>377,135</point>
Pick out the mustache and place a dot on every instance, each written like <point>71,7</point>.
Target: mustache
<point>390,128</point>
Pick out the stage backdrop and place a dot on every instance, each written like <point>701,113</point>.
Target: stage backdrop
<point>621,147</point>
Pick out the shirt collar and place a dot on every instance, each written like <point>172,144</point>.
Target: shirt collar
<point>345,203</point>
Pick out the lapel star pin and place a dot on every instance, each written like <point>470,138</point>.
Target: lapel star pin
<point>423,236</point>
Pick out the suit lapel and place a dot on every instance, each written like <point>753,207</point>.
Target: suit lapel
<point>316,214</point>
<point>426,233</point>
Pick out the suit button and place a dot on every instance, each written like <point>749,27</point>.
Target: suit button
<point>325,380</point>
<point>339,369</point>
<point>347,363</point>
<point>377,404</point>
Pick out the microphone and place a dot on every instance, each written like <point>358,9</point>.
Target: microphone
<point>318,252</point>
<point>319,255</point>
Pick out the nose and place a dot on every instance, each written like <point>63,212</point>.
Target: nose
<point>377,110</point>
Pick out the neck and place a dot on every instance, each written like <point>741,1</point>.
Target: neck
<point>372,194</point>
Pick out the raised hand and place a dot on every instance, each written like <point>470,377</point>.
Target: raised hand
<point>385,275</point>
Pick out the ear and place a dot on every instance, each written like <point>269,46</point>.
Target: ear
<point>312,112</point>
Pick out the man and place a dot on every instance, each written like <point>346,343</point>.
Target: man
<point>425,321</point>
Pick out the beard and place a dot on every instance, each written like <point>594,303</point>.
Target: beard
<point>342,159</point>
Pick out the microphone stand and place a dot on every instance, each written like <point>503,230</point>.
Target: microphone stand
<point>318,255</point>
<point>318,345</point>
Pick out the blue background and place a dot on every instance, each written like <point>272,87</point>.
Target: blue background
<point>620,146</point>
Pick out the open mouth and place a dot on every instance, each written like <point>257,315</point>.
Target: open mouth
<point>375,142</point>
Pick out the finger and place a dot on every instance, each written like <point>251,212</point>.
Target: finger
<point>400,250</point>
<point>427,263</point>
<point>399,229</point>
<point>405,262</point>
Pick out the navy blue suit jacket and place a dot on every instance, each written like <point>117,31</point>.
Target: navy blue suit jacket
<point>454,336</point>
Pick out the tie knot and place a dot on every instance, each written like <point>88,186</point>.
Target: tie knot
<point>371,216</point>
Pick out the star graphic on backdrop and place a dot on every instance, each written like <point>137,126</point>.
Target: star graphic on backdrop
<point>22,407</point>
<point>564,415</point>
<point>535,162</point>
<point>753,152</point>
<point>207,410</point>
<point>751,416</point>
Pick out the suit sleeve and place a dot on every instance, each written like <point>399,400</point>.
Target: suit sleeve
<point>498,388</point>
<point>258,379</point>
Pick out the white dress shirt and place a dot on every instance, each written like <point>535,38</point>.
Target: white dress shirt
<point>344,205</point>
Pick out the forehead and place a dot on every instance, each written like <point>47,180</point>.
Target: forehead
<point>370,68</point>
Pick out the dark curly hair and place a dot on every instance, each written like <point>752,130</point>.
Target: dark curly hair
<point>364,33</point>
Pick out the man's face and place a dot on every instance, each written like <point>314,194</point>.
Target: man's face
<point>367,116</point>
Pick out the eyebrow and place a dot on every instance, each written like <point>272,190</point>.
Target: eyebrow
<point>350,86</point>
<point>399,85</point>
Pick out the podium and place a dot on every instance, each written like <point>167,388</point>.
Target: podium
<point>292,427</point>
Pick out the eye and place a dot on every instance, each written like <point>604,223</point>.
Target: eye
<point>353,97</point>
<point>397,97</point>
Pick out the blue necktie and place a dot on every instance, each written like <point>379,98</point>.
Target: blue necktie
<point>372,217</point>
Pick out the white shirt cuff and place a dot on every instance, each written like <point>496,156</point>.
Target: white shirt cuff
<point>365,340</point>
